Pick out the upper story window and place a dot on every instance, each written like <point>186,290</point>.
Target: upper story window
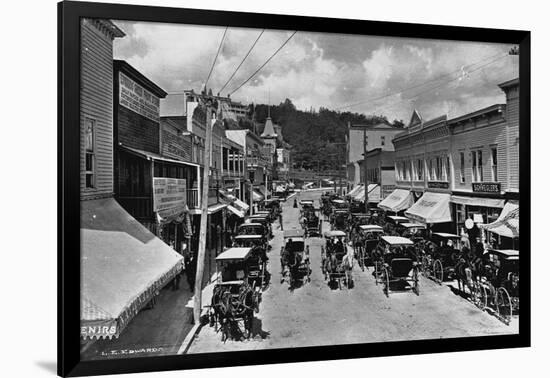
<point>419,169</point>
<point>462,168</point>
<point>89,141</point>
<point>382,140</point>
<point>366,140</point>
<point>494,164</point>
<point>477,166</point>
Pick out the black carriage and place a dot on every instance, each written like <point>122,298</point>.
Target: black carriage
<point>441,257</point>
<point>295,263</point>
<point>274,207</point>
<point>253,228</point>
<point>263,219</point>
<point>236,297</point>
<point>339,220</point>
<point>499,283</point>
<point>395,263</point>
<point>336,262</point>
<point>365,242</point>
<point>258,261</point>
<point>312,224</point>
<point>392,222</point>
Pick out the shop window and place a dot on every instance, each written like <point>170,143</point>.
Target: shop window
<point>89,140</point>
<point>462,168</point>
<point>494,164</point>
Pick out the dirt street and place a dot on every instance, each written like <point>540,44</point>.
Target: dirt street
<point>315,315</point>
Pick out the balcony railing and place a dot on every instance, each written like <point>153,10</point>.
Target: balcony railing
<point>193,199</point>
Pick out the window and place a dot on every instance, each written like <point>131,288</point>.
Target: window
<point>419,170</point>
<point>438,169</point>
<point>494,164</point>
<point>89,141</point>
<point>382,140</point>
<point>447,168</point>
<point>477,166</point>
<point>430,170</point>
<point>462,168</point>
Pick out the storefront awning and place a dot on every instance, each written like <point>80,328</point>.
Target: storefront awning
<point>235,211</point>
<point>156,157</point>
<point>478,201</point>
<point>240,205</point>
<point>257,196</point>
<point>507,224</point>
<point>374,194</point>
<point>355,190</point>
<point>399,199</point>
<point>431,208</point>
<point>123,266</point>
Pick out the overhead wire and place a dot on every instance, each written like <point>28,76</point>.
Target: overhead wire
<point>265,63</point>
<point>242,61</point>
<point>419,85</point>
<point>216,57</point>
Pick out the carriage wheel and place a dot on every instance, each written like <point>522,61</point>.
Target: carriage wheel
<point>376,272</point>
<point>386,280</point>
<point>476,295</point>
<point>438,271</point>
<point>416,282</point>
<point>482,296</point>
<point>504,305</point>
<point>425,266</point>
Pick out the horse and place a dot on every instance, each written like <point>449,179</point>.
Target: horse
<point>290,264</point>
<point>344,267</point>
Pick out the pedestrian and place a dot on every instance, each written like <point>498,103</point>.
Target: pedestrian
<point>281,219</point>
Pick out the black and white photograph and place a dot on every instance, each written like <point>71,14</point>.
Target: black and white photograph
<point>245,189</point>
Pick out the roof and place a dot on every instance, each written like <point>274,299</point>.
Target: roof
<point>248,236</point>
<point>397,240</point>
<point>496,108</point>
<point>306,201</point>
<point>114,30</point>
<point>336,233</point>
<point>446,235</point>
<point>371,227</point>
<point>124,66</point>
<point>297,239</point>
<point>397,217</point>
<point>251,224</point>
<point>269,131</point>
<point>509,83</point>
<point>505,252</point>
<point>234,254</point>
<point>152,156</point>
<point>411,225</point>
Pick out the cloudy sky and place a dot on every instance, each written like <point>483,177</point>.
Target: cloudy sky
<point>376,75</point>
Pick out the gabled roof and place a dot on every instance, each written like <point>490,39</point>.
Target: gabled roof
<point>416,119</point>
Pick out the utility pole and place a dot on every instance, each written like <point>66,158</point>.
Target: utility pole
<point>197,302</point>
<point>365,169</point>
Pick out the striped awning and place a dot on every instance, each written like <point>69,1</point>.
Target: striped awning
<point>507,224</point>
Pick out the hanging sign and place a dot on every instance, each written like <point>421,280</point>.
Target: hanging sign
<point>168,193</point>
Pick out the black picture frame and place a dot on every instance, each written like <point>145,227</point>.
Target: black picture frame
<point>69,14</point>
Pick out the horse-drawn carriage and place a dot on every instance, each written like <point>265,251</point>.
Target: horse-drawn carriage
<point>339,220</point>
<point>392,222</point>
<point>365,242</point>
<point>263,219</point>
<point>273,205</point>
<point>336,262</point>
<point>395,263</point>
<point>499,283</point>
<point>236,295</point>
<point>295,264</point>
<point>441,256</point>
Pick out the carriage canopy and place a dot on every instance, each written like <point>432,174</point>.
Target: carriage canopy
<point>396,240</point>
<point>234,254</point>
<point>371,228</point>
<point>335,234</point>
<point>294,233</point>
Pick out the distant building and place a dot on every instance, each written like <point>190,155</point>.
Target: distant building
<point>367,137</point>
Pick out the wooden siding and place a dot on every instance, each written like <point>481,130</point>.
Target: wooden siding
<point>512,120</point>
<point>479,135</point>
<point>137,131</point>
<point>96,103</point>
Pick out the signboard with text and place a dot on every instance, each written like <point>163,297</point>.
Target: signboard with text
<point>138,99</point>
<point>438,185</point>
<point>168,194</point>
<point>486,187</point>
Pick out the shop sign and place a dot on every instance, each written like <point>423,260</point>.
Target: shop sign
<point>486,187</point>
<point>438,185</point>
<point>133,96</point>
<point>168,193</point>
